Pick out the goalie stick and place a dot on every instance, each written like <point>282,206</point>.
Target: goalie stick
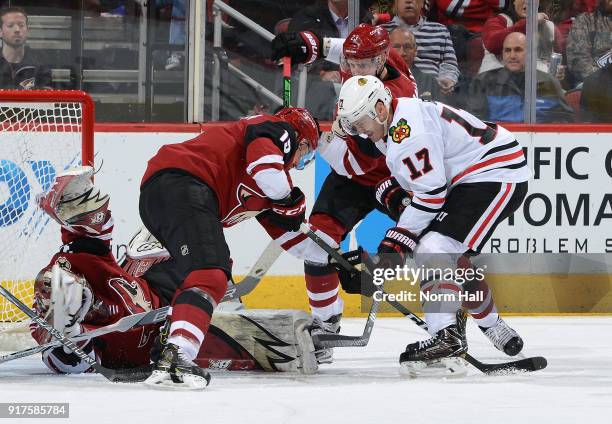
<point>111,375</point>
<point>332,340</point>
<point>246,286</point>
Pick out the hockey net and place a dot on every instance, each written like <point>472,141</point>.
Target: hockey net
<point>41,134</point>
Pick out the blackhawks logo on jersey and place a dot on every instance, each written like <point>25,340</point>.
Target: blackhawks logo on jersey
<point>399,131</point>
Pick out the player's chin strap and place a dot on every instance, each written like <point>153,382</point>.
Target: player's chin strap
<point>338,340</point>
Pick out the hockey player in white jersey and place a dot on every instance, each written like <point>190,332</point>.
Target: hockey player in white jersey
<point>465,175</point>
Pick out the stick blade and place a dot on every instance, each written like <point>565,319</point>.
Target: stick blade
<point>532,364</point>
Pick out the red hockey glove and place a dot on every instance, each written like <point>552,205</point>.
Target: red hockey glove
<point>301,47</point>
<point>392,197</point>
<point>290,212</point>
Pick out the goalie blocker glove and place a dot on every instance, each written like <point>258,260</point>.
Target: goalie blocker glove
<point>290,212</point>
<point>301,47</point>
<point>392,197</point>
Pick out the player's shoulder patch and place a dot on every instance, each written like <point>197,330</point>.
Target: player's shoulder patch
<point>399,131</point>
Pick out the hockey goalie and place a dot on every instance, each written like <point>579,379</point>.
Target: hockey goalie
<point>83,288</point>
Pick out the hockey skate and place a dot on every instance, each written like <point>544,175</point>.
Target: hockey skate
<point>173,371</point>
<point>325,355</point>
<point>504,337</point>
<point>74,201</point>
<point>438,356</point>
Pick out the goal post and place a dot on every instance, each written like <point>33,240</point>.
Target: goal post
<point>42,133</point>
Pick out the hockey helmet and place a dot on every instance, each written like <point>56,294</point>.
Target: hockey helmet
<point>357,103</point>
<point>307,129</point>
<point>365,50</point>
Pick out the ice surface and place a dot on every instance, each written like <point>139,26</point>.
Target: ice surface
<point>362,386</point>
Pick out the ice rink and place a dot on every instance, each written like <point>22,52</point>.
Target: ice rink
<point>362,386</point>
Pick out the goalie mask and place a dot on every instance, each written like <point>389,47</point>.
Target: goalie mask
<point>357,106</point>
<point>62,295</point>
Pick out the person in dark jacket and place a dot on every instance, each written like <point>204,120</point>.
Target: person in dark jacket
<point>20,69</point>
<point>596,98</point>
<point>498,95</point>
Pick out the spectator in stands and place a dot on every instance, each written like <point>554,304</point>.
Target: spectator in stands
<point>471,15</point>
<point>435,53</point>
<point>596,98</point>
<point>404,42</point>
<point>562,13</point>
<point>19,67</point>
<point>498,95</point>
<point>464,21</point>
<point>590,40</point>
<point>497,28</point>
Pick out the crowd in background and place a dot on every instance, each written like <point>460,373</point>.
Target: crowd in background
<point>470,54</point>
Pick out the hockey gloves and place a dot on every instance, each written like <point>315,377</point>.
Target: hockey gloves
<point>357,280</point>
<point>290,212</point>
<point>301,47</point>
<point>395,247</point>
<point>392,197</point>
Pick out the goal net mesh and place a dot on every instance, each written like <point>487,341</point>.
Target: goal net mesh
<point>39,138</point>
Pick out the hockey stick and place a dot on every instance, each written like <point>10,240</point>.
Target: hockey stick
<point>246,286</point>
<point>253,278</point>
<point>124,324</point>
<point>111,375</point>
<point>522,365</point>
<point>286,81</point>
<point>340,340</point>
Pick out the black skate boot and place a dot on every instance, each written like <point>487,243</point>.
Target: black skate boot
<point>325,355</point>
<point>441,355</point>
<point>504,337</point>
<point>172,370</point>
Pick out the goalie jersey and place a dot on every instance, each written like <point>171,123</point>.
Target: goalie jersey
<point>432,147</point>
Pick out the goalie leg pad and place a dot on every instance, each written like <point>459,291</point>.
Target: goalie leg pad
<point>278,340</point>
<point>73,201</point>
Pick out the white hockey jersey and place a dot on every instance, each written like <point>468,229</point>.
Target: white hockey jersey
<point>432,147</point>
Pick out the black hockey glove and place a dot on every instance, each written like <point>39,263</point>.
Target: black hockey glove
<point>356,280</point>
<point>393,249</point>
<point>290,212</point>
<point>301,47</point>
<point>392,197</point>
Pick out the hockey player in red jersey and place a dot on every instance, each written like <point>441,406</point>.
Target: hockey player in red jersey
<point>348,193</point>
<point>191,190</point>
<point>83,288</point>
<point>466,176</point>
<point>95,291</point>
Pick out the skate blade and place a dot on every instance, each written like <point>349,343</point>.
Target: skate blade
<point>163,381</point>
<point>439,368</point>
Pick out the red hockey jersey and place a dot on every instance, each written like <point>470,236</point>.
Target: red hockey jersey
<point>116,295</point>
<point>228,157</point>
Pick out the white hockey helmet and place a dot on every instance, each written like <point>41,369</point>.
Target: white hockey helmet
<point>357,101</point>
